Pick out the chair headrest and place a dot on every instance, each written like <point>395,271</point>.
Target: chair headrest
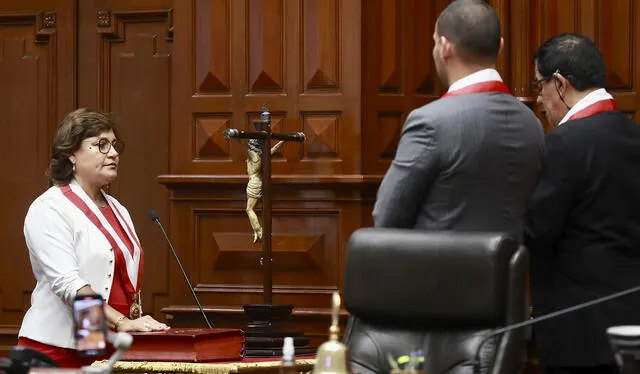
<point>428,278</point>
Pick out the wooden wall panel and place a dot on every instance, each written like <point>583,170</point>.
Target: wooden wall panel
<point>212,27</point>
<point>398,75</point>
<point>303,60</point>
<point>300,58</point>
<point>26,70</point>
<point>616,36</point>
<point>302,243</point>
<point>312,221</point>
<point>125,68</point>
<point>265,49</point>
<point>36,80</point>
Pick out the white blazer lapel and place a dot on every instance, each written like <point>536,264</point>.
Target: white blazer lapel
<point>128,228</point>
<point>130,261</point>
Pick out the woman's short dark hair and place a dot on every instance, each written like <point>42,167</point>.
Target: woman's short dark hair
<point>574,56</point>
<point>77,126</point>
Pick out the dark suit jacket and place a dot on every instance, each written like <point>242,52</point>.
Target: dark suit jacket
<point>466,162</point>
<point>583,231</point>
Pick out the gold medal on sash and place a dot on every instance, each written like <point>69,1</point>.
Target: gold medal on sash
<point>135,311</point>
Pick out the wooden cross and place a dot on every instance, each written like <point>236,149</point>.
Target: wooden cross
<point>265,136</point>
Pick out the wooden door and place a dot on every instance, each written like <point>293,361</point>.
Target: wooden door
<point>126,67</point>
<point>36,91</point>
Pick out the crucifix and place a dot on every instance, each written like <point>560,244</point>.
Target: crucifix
<point>268,322</point>
<point>259,153</point>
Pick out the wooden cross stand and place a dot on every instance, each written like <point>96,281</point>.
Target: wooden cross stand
<point>268,322</point>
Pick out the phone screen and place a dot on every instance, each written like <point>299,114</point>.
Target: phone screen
<point>90,325</point>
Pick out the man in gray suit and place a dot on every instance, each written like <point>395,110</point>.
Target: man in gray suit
<point>470,160</point>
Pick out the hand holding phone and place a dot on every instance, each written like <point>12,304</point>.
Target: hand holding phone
<point>90,325</point>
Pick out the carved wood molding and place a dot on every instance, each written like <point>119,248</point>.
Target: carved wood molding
<point>8,338</point>
<point>250,289</point>
<point>297,312</point>
<point>44,22</point>
<point>178,180</point>
<point>231,188</point>
<point>111,23</point>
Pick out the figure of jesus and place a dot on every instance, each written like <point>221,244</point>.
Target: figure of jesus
<point>254,186</point>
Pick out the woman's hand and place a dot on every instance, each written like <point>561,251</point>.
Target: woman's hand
<point>144,324</point>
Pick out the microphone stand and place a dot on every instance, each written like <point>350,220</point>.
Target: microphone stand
<point>476,360</point>
<point>154,217</point>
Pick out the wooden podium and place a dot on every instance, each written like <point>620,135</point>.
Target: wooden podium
<point>187,345</point>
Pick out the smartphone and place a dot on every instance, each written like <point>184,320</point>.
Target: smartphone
<point>90,325</point>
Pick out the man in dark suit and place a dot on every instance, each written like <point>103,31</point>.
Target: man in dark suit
<point>470,160</point>
<point>583,224</point>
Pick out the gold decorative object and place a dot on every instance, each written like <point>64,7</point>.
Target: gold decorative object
<point>155,367</point>
<point>333,356</point>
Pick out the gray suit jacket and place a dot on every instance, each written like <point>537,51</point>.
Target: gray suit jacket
<point>464,162</point>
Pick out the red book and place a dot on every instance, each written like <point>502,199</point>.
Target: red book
<point>187,345</point>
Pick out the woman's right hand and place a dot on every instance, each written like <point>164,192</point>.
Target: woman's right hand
<point>143,324</point>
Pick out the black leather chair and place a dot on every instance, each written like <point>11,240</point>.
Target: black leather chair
<point>439,292</point>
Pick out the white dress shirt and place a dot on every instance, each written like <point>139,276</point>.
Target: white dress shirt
<point>485,75</point>
<point>67,252</point>
<point>591,98</point>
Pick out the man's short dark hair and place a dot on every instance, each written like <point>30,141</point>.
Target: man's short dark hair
<point>575,57</point>
<point>473,26</point>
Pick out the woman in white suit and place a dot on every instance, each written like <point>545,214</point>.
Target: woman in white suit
<point>81,241</point>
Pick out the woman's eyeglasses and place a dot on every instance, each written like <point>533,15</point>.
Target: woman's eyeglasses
<point>104,145</point>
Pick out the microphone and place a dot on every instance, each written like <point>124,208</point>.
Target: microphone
<point>515,326</point>
<point>154,217</point>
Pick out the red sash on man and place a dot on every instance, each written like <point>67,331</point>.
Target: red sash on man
<point>595,108</point>
<point>486,86</point>
<point>133,292</point>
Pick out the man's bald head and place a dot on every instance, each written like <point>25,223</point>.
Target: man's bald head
<point>473,27</point>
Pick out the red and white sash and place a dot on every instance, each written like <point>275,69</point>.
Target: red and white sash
<point>487,80</point>
<point>598,101</point>
<point>133,275</point>
<point>489,86</point>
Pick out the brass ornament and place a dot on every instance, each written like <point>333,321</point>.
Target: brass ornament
<point>135,311</point>
<point>333,356</point>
